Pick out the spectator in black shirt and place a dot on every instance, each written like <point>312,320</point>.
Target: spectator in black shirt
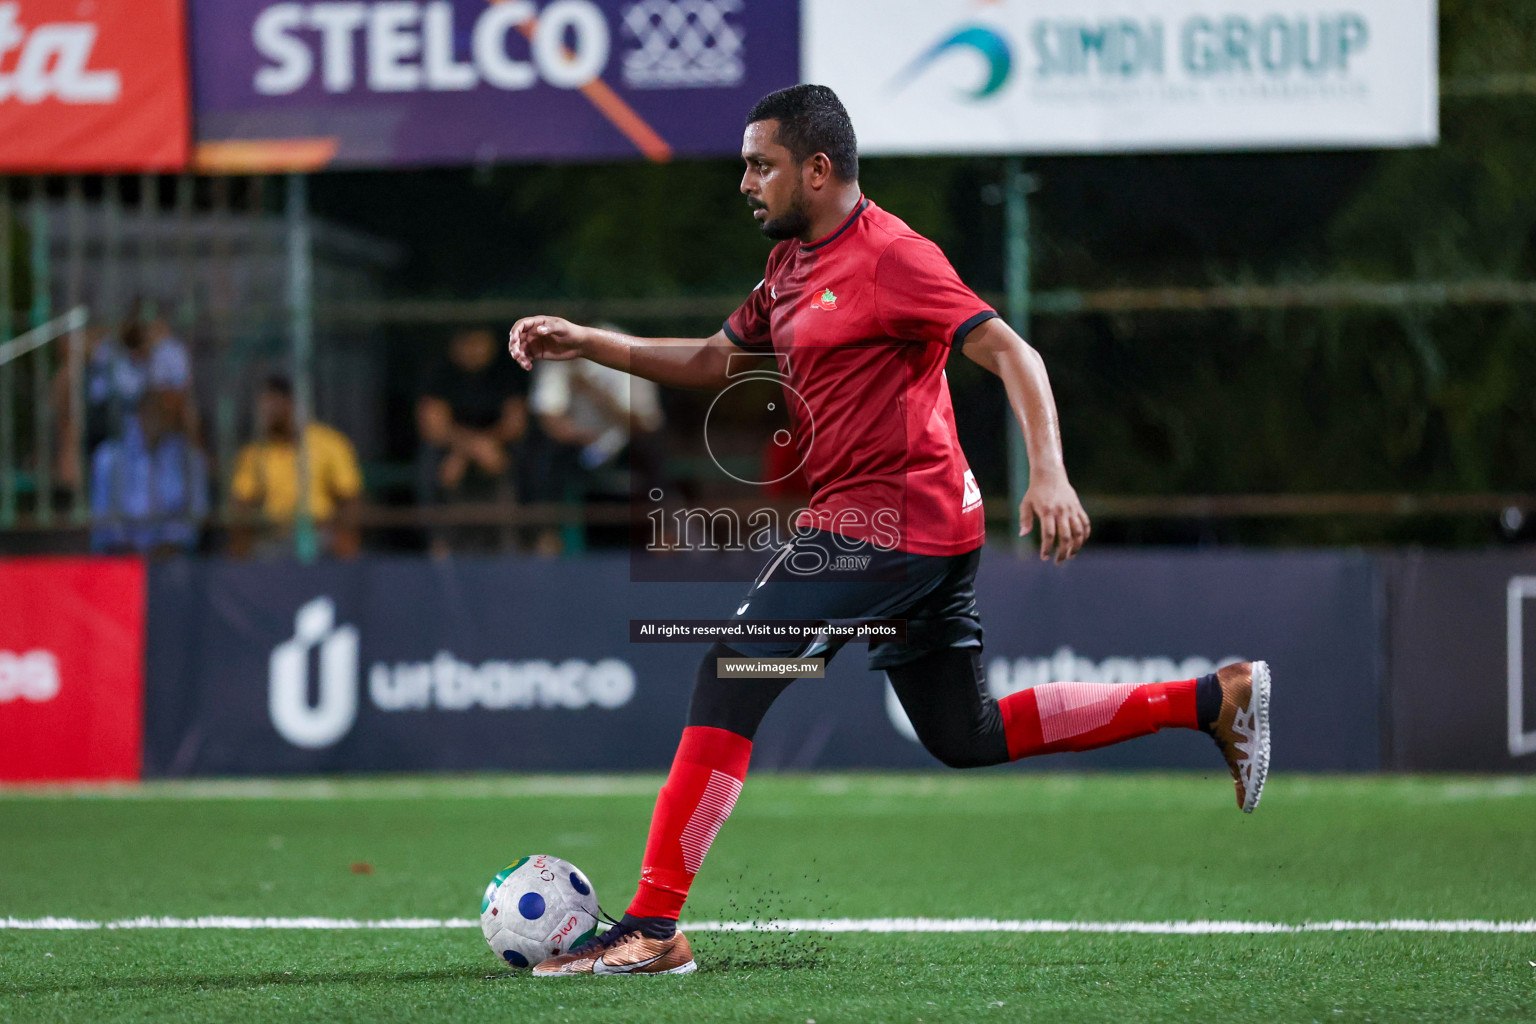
<point>472,413</point>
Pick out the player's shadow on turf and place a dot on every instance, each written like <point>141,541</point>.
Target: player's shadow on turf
<point>163,982</point>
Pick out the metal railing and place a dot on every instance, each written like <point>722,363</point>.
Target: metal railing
<point>39,336</point>
<point>35,342</point>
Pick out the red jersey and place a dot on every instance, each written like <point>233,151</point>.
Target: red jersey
<point>862,323</point>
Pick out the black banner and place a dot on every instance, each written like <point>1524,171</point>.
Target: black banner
<point>1462,675</point>
<point>1143,616</point>
<point>404,664</point>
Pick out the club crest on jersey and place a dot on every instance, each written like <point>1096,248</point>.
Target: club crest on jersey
<point>972,496</point>
<point>826,300</point>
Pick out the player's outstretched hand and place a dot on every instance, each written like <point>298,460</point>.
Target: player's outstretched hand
<point>1064,526</point>
<point>544,337</point>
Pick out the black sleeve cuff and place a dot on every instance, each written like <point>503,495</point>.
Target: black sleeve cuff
<point>970,325</point>
<point>736,339</point>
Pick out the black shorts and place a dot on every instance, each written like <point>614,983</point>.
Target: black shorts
<point>826,577</point>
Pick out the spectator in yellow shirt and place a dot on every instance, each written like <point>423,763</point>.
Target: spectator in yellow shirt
<point>267,475</point>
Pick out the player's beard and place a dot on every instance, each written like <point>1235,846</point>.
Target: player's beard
<point>793,223</point>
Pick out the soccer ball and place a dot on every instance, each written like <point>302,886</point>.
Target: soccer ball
<point>537,908</point>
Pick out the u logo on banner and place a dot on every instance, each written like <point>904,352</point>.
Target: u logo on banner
<point>331,717</point>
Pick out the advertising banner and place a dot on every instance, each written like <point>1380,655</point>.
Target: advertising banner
<point>1141,617</point>
<point>93,86</point>
<point>400,82</point>
<point>405,664</point>
<point>1097,76</point>
<point>71,669</point>
<point>1462,662</point>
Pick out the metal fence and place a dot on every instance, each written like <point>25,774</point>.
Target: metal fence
<point>230,264</point>
<point>252,282</point>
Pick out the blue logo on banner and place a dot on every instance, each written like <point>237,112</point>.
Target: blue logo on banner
<point>993,47</point>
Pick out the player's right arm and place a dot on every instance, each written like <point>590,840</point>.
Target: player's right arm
<point>677,362</point>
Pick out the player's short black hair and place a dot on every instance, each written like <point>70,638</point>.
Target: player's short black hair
<point>812,120</point>
<point>278,384</point>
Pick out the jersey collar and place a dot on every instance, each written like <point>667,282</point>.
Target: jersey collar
<point>820,243</point>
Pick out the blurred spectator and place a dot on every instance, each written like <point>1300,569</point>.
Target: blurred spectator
<point>593,418</point>
<point>149,488</point>
<point>149,477</point>
<point>144,361</point>
<point>68,469</point>
<point>472,413</point>
<point>267,479</point>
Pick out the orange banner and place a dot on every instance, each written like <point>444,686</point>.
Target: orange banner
<point>87,85</point>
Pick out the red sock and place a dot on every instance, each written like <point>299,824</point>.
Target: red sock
<point>1054,717</point>
<point>706,778</point>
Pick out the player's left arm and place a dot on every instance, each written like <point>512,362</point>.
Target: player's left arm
<point>1064,526</point>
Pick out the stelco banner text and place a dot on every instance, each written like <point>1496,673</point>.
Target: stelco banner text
<point>395,82</point>
<point>1087,76</point>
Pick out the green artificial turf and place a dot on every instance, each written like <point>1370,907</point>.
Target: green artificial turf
<point>1060,847</point>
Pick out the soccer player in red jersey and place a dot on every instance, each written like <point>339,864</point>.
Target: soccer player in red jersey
<point>861,314</point>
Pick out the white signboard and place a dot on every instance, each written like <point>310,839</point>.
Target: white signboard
<point>1092,76</point>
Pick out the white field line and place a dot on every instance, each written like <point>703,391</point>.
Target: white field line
<point>982,924</point>
<point>69,924</point>
<point>843,924</point>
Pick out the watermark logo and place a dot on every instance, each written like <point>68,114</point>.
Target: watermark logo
<point>53,62</point>
<point>760,433</point>
<point>768,395</point>
<point>32,676</point>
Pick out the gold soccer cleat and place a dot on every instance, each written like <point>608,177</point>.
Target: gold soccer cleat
<point>1241,730</point>
<point>624,953</point>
